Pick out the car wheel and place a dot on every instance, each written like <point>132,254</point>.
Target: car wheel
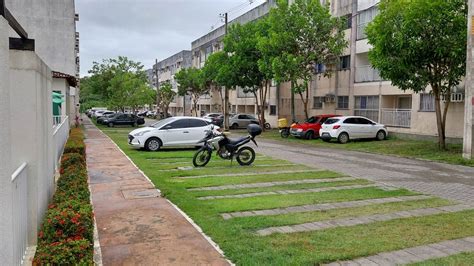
<point>380,135</point>
<point>111,124</point>
<point>234,126</point>
<point>309,135</point>
<point>343,138</point>
<point>153,144</point>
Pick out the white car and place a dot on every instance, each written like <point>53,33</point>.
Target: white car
<point>345,128</point>
<point>98,113</point>
<point>172,131</point>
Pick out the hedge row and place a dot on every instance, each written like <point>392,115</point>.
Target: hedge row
<point>66,236</point>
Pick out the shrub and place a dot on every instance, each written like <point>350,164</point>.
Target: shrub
<point>74,251</point>
<point>70,219</point>
<point>66,236</point>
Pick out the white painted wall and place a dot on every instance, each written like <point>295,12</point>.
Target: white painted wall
<point>6,221</point>
<point>31,128</point>
<point>51,23</point>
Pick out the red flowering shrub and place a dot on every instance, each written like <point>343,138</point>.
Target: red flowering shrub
<point>66,236</point>
<point>73,251</point>
<point>70,219</point>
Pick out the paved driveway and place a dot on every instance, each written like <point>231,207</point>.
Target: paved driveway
<point>444,180</point>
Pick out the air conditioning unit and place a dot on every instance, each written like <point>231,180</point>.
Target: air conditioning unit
<point>330,98</point>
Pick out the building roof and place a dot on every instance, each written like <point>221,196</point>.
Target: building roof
<point>70,79</point>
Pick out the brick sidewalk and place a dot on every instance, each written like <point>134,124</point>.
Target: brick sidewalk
<point>135,225</point>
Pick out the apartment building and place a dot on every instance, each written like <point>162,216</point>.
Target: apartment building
<point>165,71</point>
<point>239,101</point>
<point>38,55</point>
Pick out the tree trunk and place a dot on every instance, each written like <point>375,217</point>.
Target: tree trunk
<point>293,115</point>
<point>439,119</point>
<point>263,100</point>
<point>222,99</point>
<point>305,105</point>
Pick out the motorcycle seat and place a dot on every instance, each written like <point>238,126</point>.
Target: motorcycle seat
<point>237,141</point>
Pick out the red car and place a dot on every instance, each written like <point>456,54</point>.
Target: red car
<point>310,128</point>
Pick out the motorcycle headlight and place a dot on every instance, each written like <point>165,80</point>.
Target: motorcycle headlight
<point>141,133</point>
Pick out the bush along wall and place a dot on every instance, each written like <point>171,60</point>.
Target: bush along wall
<point>66,236</point>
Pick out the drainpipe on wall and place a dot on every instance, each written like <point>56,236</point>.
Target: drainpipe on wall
<point>353,56</point>
<point>468,144</point>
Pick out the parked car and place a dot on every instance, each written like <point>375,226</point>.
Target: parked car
<point>346,128</point>
<point>172,131</point>
<point>151,114</point>
<point>101,119</point>
<point>211,115</point>
<point>242,121</point>
<point>98,113</point>
<point>91,111</point>
<point>218,120</point>
<point>309,129</point>
<point>124,119</point>
<point>142,113</point>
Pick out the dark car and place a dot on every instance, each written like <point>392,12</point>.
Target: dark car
<point>124,119</point>
<point>101,119</point>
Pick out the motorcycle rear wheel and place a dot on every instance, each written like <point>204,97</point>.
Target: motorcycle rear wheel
<point>201,157</point>
<point>245,156</point>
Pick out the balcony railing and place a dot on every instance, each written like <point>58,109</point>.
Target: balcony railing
<point>367,74</point>
<point>396,117</point>
<point>20,213</point>
<point>60,135</point>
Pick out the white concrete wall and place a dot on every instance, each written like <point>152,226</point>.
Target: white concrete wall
<point>51,23</point>
<point>31,128</point>
<point>6,221</point>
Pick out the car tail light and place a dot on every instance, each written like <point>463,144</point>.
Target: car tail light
<point>336,127</point>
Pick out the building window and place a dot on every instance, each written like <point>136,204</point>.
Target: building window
<point>273,110</point>
<point>427,102</point>
<point>319,68</point>
<point>318,102</point>
<point>342,102</point>
<point>363,19</point>
<point>348,21</point>
<point>345,62</point>
<point>367,106</point>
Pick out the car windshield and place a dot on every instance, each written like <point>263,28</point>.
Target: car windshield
<point>162,122</point>
<point>331,121</point>
<point>251,117</point>
<point>312,119</point>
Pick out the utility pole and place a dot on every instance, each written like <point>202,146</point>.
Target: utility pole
<point>226,89</point>
<point>155,68</point>
<point>468,144</point>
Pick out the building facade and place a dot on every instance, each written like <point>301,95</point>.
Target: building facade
<point>353,88</point>
<point>38,55</point>
<point>165,71</point>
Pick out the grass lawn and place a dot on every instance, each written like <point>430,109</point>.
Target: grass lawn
<point>427,150</point>
<point>237,236</point>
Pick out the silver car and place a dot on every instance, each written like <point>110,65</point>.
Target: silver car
<point>242,120</point>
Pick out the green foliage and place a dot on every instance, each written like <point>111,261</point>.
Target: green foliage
<point>419,43</point>
<point>116,83</point>
<point>166,95</point>
<point>66,235</point>
<point>191,81</point>
<point>302,35</point>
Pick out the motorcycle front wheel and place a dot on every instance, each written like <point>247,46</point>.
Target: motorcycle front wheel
<point>245,156</point>
<point>201,157</point>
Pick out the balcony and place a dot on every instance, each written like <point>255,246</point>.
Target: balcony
<point>367,74</point>
<point>396,117</point>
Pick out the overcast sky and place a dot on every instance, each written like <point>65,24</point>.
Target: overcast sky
<point>147,29</point>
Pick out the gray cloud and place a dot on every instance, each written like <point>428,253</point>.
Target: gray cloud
<point>146,29</point>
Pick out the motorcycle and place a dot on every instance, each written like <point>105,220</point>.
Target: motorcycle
<point>226,148</point>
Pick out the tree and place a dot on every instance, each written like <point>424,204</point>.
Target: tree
<point>118,83</point>
<point>241,44</point>
<point>417,43</point>
<point>166,96</point>
<point>305,35</point>
<point>191,82</point>
<point>214,73</point>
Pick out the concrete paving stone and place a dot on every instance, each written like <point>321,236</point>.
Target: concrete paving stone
<point>469,239</point>
<point>404,257</point>
<point>380,261</point>
<point>300,228</point>
<point>350,263</point>
<point>443,248</point>
<point>287,229</point>
<point>365,262</point>
<point>419,252</point>
<point>333,264</point>
<point>226,216</point>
